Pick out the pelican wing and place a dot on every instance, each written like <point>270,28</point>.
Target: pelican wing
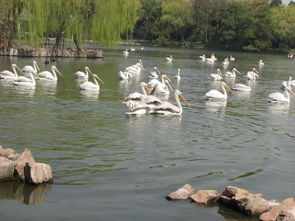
<point>215,94</point>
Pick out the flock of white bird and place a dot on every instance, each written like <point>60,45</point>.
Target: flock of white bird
<point>155,93</point>
<point>29,75</point>
<point>252,76</point>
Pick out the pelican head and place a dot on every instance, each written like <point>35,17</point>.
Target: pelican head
<point>36,65</point>
<point>290,91</point>
<point>225,86</point>
<point>236,70</point>
<point>255,70</point>
<point>15,66</point>
<point>165,77</point>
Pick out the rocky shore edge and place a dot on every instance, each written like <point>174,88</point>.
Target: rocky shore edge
<point>23,168</point>
<point>29,51</point>
<point>240,200</point>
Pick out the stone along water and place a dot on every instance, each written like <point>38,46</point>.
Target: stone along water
<point>107,166</point>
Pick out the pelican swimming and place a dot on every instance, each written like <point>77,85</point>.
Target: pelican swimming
<point>216,77</point>
<point>26,81</point>
<point>90,86</point>
<point>225,62</point>
<point>242,87</point>
<point>8,75</point>
<point>178,77</point>
<point>169,59</point>
<point>215,94</point>
<point>132,49</point>
<point>232,74</point>
<point>143,97</point>
<point>203,57</point>
<point>50,76</point>
<point>28,68</point>
<point>252,75</point>
<point>167,108</point>
<point>260,62</point>
<point>232,58</point>
<point>288,84</point>
<point>136,68</point>
<point>279,97</point>
<point>126,52</point>
<point>83,75</point>
<point>155,73</point>
<point>160,87</point>
<point>124,75</point>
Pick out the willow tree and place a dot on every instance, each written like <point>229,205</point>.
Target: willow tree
<point>103,21</point>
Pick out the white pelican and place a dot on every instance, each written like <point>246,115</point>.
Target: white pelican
<point>212,59</point>
<point>29,68</point>
<point>215,94</point>
<point>136,108</point>
<point>46,75</point>
<point>126,52</point>
<point>160,88</point>
<point>260,62</point>
<point>90,86</point>
<point>232,74</point>
<point>288,84</point>
<point>132,49</point>
<point>178,77</point>
<point>24,81</point>
<point>155,73</point>
<point>83,75</point>
<point>279,97</point>
<point>225,62</point>
<point>136,68</point>
<point>8,75</point>
<point>169,59</point>
<point>232,58</point>
<point>242,87</point>
<point>252,75</point>
<point>216,77</point>
<point>203,57</point>
<point>124,75</point>
<point>167,108</point>
<point>143,97</point>
<point>290,55</point>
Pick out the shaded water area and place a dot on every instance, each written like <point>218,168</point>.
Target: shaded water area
<point>108,166</point>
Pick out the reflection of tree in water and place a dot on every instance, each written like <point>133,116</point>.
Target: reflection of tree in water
<point>27,194</point>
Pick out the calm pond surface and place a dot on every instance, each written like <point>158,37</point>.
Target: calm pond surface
<point>108,166</point>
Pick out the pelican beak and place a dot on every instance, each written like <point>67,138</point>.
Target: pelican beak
<point>18,68</point>
<point>291,92</point>
<point>59,72</point>
<point>147,88</point>
<point>184,100</point>
<point>99,79</point>
<point>228,88</point>
<point>168,84</point>
<point>166,77</point>
<point>238,72</point>
<point>253,81</point>
<point>36,75</point>
<point>256,71</point>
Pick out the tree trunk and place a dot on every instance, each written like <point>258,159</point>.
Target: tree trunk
<point>76,41</point>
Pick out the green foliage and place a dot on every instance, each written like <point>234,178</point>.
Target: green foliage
<point>103,21</point>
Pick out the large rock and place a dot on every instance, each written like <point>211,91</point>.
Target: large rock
<point>36,173</point>
<point>284,211</point>
<point>6,169</point>
<point>182,193</point>
<point>24,158</point>
<point>205,196</point>
<point>245,202</point>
